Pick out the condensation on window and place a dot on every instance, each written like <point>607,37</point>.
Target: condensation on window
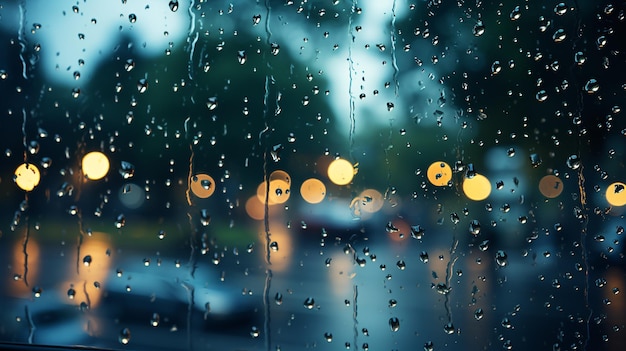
<point>290,175</point>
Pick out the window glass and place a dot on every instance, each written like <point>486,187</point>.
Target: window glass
<point>291,175</point>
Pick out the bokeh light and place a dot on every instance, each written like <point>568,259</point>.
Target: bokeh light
<point>279,192</point>
<point>280,175</point>
<point>340,171</point>
<point>550,186</point>
<point>95,165</point>
<point>477,188</point>
<point>439,173</point>
<point>202,185</point>
<point>313,190</point>
<point>255,208</point>
<point>371,200</point>
<point>616,194</point>
<point>27,176</point>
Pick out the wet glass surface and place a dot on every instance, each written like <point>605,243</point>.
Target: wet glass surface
<point>291,175</point>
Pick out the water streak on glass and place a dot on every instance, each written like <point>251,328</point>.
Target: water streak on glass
<point>268,272</point>
<point>25,251</point>
<point>192,47</point>
<point>449,270</point>
<point>351,75</point>
<point>394,63</point>
<point>190,296</point>
<point>86,295</point>
<point>355,313</point>
<point>581,178</point>
<point>31,325</point>
<point>20,38</point>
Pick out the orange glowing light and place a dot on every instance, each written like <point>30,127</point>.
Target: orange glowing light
<point>477,188</point>
<point>616,194</point>
<point>550,186</point>
<point>313,191</point>
<point>202,185</point>
<point>340,171</point>
<point>95,165</point>
<point>439,173</point>
<point>27,176</point>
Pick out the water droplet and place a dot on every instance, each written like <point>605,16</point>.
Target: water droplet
<point>541,96</point>
<point>161,234</point>
<point>429,346</point>
<point>515,14</point>
<point>256,19</point>
<point>592,86</point>
<point>559,35</point>
<point>155,320</point>
<point>479,314</point>
<point>71,293</point>
<point>535,160</point>
<point>601,41</point>
<point>255,332</point>
<point>124,337</point>
<point>424,256</point>
<point>417,232</point>
<point>87,260</point>
<point>328,336</point>
<point>474,227</point>
<point>501,258</point>
<point>242,57</point>
<point>46,162</point>
<point>142,85</point>
<point>120,221</point>
<point>573,162</point>
<point>127,170</point>
<point>394,324</point>
<point>448,328</point>
<point>129,65</point>
<point>174,5</point>
<point>274,246</point>
<point>309,303</point>
<point>275,49</point>
<point>496,67</point>
<point>132,18</point>
<point>37,291</point>
<point>560,9</point>
<point>205,218</point>
<point>479,29</point>
<point>278,299</point>
<point>442,288</point>
<point>211,103</point>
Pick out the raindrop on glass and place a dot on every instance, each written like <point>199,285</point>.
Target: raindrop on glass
<point>394,324</point>
<point>124,337</point>
<point>174,5</point>
<point>309,303</point>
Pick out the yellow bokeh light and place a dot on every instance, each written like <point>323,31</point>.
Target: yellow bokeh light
<point>616,194</point>
<point>279,191</point>
<point>340,171</point>
<point>95,165</point>
<point>439,173</point>
<point>27,176</point>
<point>313,191</point>
<point>280,175</point>
<point>477,188</point>
<point>550,186</point>
<point>202,185</point>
